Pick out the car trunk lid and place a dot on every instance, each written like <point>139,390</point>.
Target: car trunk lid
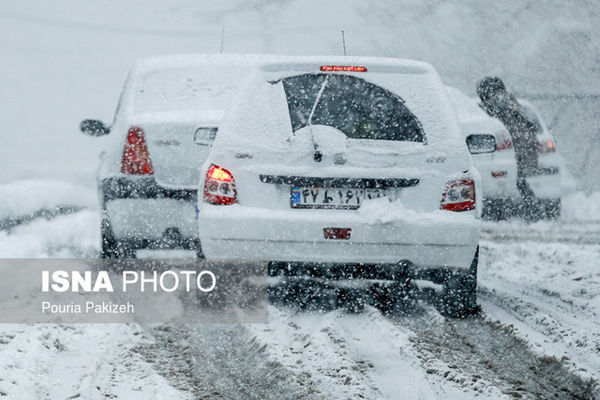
<point>178,145</point>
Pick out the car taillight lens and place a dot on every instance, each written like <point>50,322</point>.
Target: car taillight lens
<point>503,141</point>
<point>459,195</point>
<point>219,186</point>
<point>546,146</point>
<point>136,158</point>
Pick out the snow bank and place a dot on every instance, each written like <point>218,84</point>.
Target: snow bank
<point>25,197</point>
<point>580,207</point>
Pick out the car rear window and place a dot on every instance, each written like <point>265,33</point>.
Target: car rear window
<point>352,105</point>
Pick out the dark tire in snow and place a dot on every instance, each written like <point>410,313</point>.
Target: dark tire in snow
<point>393,299</point>
<point>497,209</point>
<point>552,208</point>
<point>110,247</point>
<point>459,296</point>
<point>351,301</point>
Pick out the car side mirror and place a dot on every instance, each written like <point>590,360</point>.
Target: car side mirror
<point>479,144</point>
<point>205,136</point>
<point>94,127</point>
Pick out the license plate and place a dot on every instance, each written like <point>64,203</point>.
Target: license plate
<point>339,198</point>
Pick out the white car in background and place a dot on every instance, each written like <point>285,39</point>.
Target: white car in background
<point>498,169</point>
<point>344,167</point>
<point>166,120</point>
<point>546,184</point>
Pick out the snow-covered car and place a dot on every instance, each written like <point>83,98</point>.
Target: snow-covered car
<point>546,184</point>
<point>345,167</point>
<point>166,120</point>
<point>498,168</point>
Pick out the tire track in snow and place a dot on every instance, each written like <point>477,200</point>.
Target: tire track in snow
<point>482,349</point>
<point>358,355</point>
<point>221,362</point>
<point>547,289</point>
<point>312,345</point>
<point>554,322</point>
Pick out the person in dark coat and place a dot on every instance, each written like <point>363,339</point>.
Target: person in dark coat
<point>499,103</point>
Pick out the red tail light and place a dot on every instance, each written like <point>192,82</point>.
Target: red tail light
<point>136,158</point>
<point>503,141</point>
<point>459,195</point>
<point>546,146</point>
<point>219,186</point>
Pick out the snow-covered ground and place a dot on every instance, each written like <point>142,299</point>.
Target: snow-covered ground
<point>538,335</point>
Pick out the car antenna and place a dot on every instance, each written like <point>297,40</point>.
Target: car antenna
<point>343,42</point>
<point>222,38</point>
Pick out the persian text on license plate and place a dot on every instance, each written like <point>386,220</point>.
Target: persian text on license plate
<point>342,198</point>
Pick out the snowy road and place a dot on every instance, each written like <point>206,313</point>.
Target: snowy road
<point>538,335</point>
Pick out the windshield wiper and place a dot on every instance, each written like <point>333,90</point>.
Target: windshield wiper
<point>318,155</point>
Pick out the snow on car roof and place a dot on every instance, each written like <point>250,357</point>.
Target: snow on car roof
<point>371,64</point>
<point>269,61</point>
<point>191,60</point>
<point>189,83</point>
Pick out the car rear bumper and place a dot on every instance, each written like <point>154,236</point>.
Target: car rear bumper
<point>441,239</point>
<point>142,211</point>
<point>151,219</point>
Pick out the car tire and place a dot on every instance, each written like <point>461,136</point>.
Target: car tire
<point>199,252</point>
<point>110,247</point>
<point>552,208</point>
<point>350,301</point>
<point>395,299</point>
<point>459,295</point>
<point>497,209</point>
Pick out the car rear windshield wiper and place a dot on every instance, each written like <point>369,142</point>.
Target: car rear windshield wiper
<point>318,155</point>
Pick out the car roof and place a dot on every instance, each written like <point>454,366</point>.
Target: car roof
<point>280,62</point>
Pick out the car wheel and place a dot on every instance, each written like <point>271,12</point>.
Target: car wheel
<point>393,299</point>
<point>552,208</point>
<point>349,300</point>
<point>459,295</point>
<point>199,252</point>
<point>110,247</point>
